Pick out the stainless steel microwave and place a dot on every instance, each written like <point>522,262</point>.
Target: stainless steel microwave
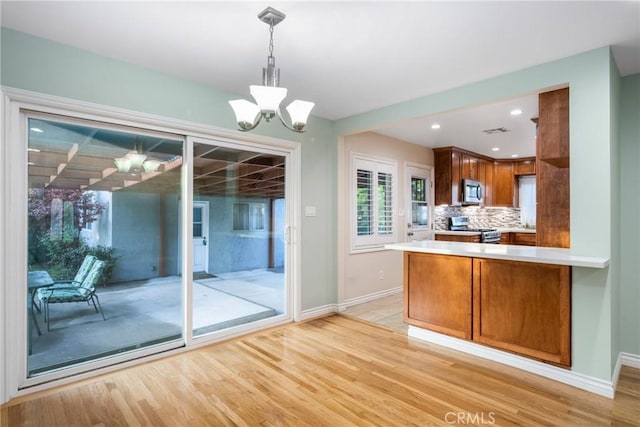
<point>471,192</point>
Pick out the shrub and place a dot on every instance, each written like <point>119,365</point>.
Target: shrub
<point>63,257</point>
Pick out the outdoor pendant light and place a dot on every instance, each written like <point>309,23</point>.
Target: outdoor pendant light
<point>269,96</point>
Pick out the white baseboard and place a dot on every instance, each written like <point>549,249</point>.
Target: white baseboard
<point>631,360</point>
<point>575,379</point>
<point>369,297</point>
<point>624,359</point>
<point>312,313</point>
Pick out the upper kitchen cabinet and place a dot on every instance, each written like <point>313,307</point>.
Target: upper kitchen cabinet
<point>452,165</point>
<point>525,167</point>
<point>448,176</point>
<point>553,128</point>
<point>503,183</point>
<point>552,152</point>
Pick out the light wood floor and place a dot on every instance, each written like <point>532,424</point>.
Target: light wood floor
<point>387,311</point>
<point>335,371</point>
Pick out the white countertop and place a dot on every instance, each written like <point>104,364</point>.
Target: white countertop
<point>507,252</point>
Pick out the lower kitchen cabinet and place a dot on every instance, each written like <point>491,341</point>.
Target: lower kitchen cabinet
<point>524,308</point>
<point>520,307</point>
<point>437,293</point>
<point>524,239</point>
<point>516,238</point>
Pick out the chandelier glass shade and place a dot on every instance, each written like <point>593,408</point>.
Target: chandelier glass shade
<point>269,95</point>
<point>135,161</point>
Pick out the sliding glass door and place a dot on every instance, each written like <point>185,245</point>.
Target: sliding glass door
<point>103,241</point>
<point>141,241</point>
<point>238,220</point>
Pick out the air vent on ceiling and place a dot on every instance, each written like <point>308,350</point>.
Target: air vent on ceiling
<point>496,130</point>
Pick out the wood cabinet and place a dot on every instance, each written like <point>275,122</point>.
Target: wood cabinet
<point>518,238</point>
<point>552,152</point>
<point>458,238</point>
<point>520,307</point>
<point>524,308</point>
<point>503,184</point>
<point>525,239</point>
<point>447,173</point>
<point>553,128</point>
<point>437,293</point>
<point>469,166</point>
<point>485,176</point>
<point>452,165</point>
<point>525,167</point>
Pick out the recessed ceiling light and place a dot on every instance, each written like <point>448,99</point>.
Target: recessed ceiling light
<point>435,126</point>
<point>516,112</point>
<point>36,130</point>
<point>495,149</point>
<point>514,155</point>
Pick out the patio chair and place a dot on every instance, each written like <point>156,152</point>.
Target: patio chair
<point>81,274</point>
<point>83,292</point>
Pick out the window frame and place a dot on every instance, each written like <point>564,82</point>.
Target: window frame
<point>376,240</point>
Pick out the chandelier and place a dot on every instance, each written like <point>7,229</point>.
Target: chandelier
<point>134,161</point>
<point>269,96</point>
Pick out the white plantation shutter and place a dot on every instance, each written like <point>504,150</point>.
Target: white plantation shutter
<point>364,202</point>
<point>373,202</point>
<point>385,203</point>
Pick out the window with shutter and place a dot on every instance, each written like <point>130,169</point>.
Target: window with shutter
<point>373,193</point>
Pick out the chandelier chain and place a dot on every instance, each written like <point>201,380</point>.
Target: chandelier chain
<point>271,40</point>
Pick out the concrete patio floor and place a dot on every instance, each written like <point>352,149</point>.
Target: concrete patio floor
<point>148,312</point>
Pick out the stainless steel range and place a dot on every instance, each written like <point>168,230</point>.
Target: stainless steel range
<point>461,223</point>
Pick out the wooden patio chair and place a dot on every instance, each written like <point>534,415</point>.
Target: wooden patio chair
<point>83,292</point>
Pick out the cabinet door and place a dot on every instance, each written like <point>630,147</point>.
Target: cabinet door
<point>553,127</point>
<point>525,167</point>
<point>488,183</point>
<point>524,308</point>
<point>503,184</point>
<point>456,178</point>
<point>469,167</point>
<point>505,238</point>
<point>437,293</point>
<point>525,239</point>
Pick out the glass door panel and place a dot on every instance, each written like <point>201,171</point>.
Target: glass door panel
<point>418,204</point>
<point>243,279</point>
<point>103,242</point>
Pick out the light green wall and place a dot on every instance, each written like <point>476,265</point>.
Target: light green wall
<point>629,117</point>
<point>43,66</point>
<point>589,78</point>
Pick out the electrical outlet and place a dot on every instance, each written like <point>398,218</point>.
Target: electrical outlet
<point>381,274</point>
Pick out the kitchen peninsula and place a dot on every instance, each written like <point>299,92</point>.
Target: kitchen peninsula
<point>513,298</point>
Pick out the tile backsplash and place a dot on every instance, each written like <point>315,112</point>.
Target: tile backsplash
<point>485,217</point>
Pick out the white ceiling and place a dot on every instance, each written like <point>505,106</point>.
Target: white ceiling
<point>347,57</point>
